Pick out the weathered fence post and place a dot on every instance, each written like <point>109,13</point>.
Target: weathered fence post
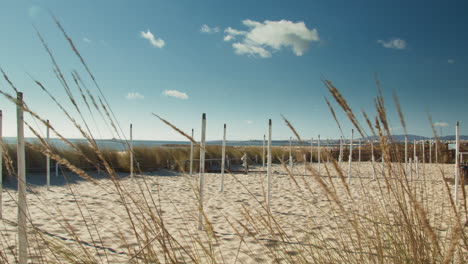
<point>350,155</point>
<point>373,160</point>
<point>411,168</point>
<point>202,172</point>
<point>406,154</point>
<point>269,165</point>
<point>223,158</point>
<point>318,154</point>
<point>48,157</point>
<point>424,156</point>
<point>1,164</point>
<point>263,153</point>
<point>131,150</point>
<point>246,163</point>
<point>290,155</point>
<point>430,151</point>
<point>311,150</point>
<point>359,151</point>
<point>457,160</point>
<point>340,158</point>
<point>416,162</point>
<point>191,156</point>
<point>22,205</point>
<point>305,164</point>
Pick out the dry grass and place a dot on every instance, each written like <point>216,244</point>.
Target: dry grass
<point>391,220</point>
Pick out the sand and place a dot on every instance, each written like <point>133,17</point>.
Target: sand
<point>95,215</point>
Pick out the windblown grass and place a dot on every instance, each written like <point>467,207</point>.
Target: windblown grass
<point>392,219</point>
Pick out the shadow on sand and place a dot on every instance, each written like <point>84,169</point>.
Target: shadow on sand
<point>39,179</point>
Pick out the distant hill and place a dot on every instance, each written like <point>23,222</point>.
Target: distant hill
<point>416,137</point>
<point>453,137</point>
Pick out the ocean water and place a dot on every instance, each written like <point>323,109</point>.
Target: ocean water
<point>122,145</point>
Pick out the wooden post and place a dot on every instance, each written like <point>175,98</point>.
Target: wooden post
<point>311,149</point>
<point>406,154</point>
<point>202,172</point>
<point>411,168</point>
<point>340,158</point>
<point>22,206</point>
<point>423,143</point>
<point>457,160</point>
<point>350,156</point>
<point>269,166</point>
<point>290,155</point>
<point>328,151</point>
<point>318,155</point>
<point>359,151</point>
<point>48,157</point>
<point>416,161</point>
<point>339,150</point>
<point>305,164</point>
<point>191,156</point>
<point>246,163</point>
<point>263,153</point>
<point>223,158</point>
<point>373,160</point>
<point>430,151</point>
<point>56,169</point>
<point>437,152</point>
<point>131,150</point>
<point>414,149</point>
<point>424,156</point>
<point>1,164</point>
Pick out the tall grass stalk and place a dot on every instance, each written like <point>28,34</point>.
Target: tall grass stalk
<point>291,218</point>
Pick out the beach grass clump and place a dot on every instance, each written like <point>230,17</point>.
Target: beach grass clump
<point>153,158</point>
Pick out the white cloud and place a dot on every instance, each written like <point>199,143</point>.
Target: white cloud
<point>246,49</point>
<point>395,43</point>
<point>441,124</point>
<point>251,23</point>
<point>264,38</point>
<point>87,40</point>
<point>450,61</point>
<point>156,42</point>
<point>134,96</point>
<point>232,33</point>
<point>206,29</point>
<point>33,11</point>
<point>249,122</point>
<point>176,94</point>
<point>228,38</point>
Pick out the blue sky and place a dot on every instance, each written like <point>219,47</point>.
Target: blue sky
<point>243,62</point>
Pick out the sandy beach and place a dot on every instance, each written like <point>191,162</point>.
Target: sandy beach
<point>92,221</point>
